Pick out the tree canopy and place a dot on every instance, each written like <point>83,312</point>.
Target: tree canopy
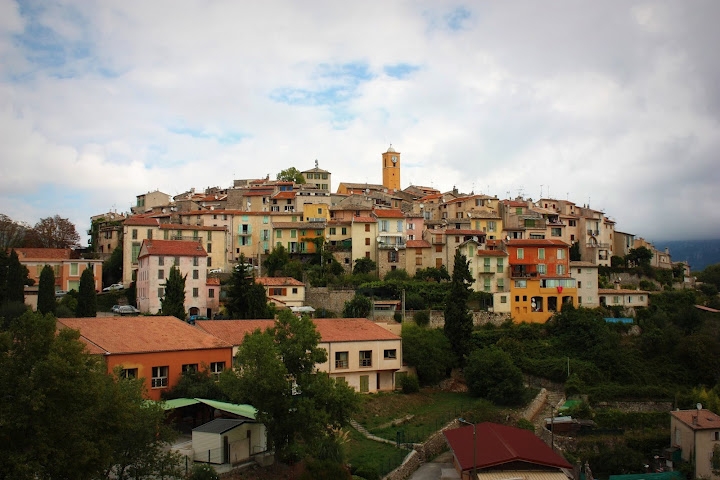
<point>46,291</point>
<point>246,299</point>
<point>291,174</point>
<point>275,372</point>
<point>359,306</point>
<point>428,350</point>
<point>55,232</point>
<point>87,297</point>
<point>490,373</point>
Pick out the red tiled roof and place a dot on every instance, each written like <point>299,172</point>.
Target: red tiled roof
<point>540,242</point>
<point>118,335</point>
<point>462,231</point>
<point>42,253</point>
<point>418,244</point>
<point>141,221</point>
<point>362,219</point>
<point>389,213</point>
<point>431,196</point>
<point>500,444</point>
<point>212,281</point>
<point>330,329</point>
<point>698,419</point>
<point>621,291</point>
<point>284,194</point>
<point>180,226</point>
<point>172,248</point>
<point>491,253</point>
<point>278,281</point>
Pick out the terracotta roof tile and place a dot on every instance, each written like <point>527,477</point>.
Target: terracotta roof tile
<point>212,281</point>
<point>621,291</point>
<point>330,329</point>
<point>172,248</point>
<point>277,281</point>
<point>284,195</point>
<point>388,213</point>
<point>464,231</point>
<point>540,242</point>
<point>491,253</point>
<point>698,419</point>
<point>200,228</point>
<point>141,221</point>
<point>363,219</point>
<point>117,335</point>
<point>42,253</point>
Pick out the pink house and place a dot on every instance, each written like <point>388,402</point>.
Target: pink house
<point>155,260</point>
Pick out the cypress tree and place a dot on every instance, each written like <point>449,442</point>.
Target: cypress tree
<point>3,275</point>
<point>458,320</point>
<point>16,278</point>
<point>46,291</point>
<point>173,303</point>
<point>87,298</point>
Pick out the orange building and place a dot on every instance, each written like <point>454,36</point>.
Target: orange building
<point>157,349</point>
<point>540,281</point>
<point>391,169</point>
<point>67,269</point>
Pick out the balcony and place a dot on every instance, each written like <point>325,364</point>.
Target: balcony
<point>597,245</point>
<point>388,246</point>
<point>524,271</point>
<point>593,233</point>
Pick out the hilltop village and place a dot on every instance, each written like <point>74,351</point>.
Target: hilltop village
<point>531,256</point>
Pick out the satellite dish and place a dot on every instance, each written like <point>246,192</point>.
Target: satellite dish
<point>699,406</point>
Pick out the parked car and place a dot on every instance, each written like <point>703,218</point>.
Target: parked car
<point>127,310</point>
<point>60,293</point>
<point>114,286</point>
<point>115,308</point>
<point>215,270</point>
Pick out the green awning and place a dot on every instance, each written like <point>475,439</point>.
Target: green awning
<point>178,403</point>
<point>247,411</point>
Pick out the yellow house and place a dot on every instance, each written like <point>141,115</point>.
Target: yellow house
<point>364,233</point>
<point>288,290</point>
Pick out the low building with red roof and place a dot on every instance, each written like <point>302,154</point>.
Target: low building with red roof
<point>513,452</point>
<point>286,290</point>
<point>696,433</point>
<point>360,351</point>
<point>157,349</point>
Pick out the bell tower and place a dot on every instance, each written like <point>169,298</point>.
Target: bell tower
<point>391,169</point>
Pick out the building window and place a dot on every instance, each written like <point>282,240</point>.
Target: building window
<point>520,253</point>
<point>364,383</point>
<point>209,261</point>
<point>366,358</point>
<point>555,232</point>
<point>129,373</point>
<point>161,261</point>
<point>211,293</point>
<point>161,274</point>
<point>149,234</point>
<point>216,368</point>
<point>160,377</point>
<point>176,261</point>
<point>392,256</point>
<point>542,269</point>
<point>134,233</point>
<point>195,261</point>
<point>341,360</point>
<point>294,290</point>
<point>161,292</point>
<point>390,354</point>
<point>196,274</point>
<point>560,269</point>
<point>541,253</point>
<point>332,230</point>
<point>367,241</point>
<point>560,254</point>
<point>418,261</point>
<point>190,368</point>
<point>196,292</point>
<point>343,230</point>
<point>503,299</point>
<point>520,283</point>
<point>500,283</point>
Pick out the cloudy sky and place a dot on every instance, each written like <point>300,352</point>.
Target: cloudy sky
<point>614,103</point>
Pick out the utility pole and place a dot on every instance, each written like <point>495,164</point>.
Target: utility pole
<point>462,420</point>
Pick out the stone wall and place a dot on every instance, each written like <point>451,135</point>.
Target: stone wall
<point>637,406</point>
<point>480,317</point>
<point>323,297</point>
<point>422,452</point>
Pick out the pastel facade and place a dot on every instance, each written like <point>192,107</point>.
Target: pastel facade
<point>156,349</point>
<point>321,179</point>
<point>289,291</point>
<point>67,269</point>
<point>620,297</point>
<point>156,259</point>
<point>360,352</point>
<point>586,276</point>
<point>364,232</point>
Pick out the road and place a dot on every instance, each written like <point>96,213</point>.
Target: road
<point>441,468</point>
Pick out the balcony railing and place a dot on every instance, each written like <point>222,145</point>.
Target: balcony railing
<point>341,364</point>
<point>366,362</point>
<point>388,246</point>
<point>597,245</point>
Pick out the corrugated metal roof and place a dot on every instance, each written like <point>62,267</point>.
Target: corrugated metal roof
<point>219,425</point>
<point>522,475</point>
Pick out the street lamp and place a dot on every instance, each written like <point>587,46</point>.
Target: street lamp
<point>462,420</point>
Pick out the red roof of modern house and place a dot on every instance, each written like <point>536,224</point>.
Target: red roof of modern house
<point>701,419</point>
<point>500,444</point>
<point>172,248</point>
<point>278,281</point>
<point>141,221</point>
<point>531,242</point>
<point>42,253</point>
<point>330,329</point>
<point>389,213</point>
<point>418,244</point>
<point>122,335</point>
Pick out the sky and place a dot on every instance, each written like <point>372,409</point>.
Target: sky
<point>614,103</point>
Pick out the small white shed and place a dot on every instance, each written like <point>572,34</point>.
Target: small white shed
<point>227,440</point>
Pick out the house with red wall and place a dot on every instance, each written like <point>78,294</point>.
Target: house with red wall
<point>157,349</point>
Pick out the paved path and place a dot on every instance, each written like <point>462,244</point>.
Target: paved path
<point>441,468</point>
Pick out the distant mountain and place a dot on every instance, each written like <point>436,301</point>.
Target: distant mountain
<point>699,253</point>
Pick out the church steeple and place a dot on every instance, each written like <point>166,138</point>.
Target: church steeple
<point>391,169</point>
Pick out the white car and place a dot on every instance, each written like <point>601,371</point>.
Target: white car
<point>127,310</point>
<point>114,286</point>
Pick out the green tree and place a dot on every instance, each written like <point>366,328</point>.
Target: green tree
<point>291,174</point>
<point>46,291</point>
<point>17,276</point>
<point>4,263</point>
<point>639,256</point>
<point>357,307</point>
<point>711,275</point>
<point>196,384</point>
<point>173,303</point>
<point>575,252</point>
<point>246,299</point>
<point>276,260</point>
<point>490,373</point>
<point>112,267</point>
<point>364,265</point>
<point>428,350</point>
<point>87,297</point>
<point>275,372</point>
<point>458,320</point>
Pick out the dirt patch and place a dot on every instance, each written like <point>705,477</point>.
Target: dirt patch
<point>277,471</point>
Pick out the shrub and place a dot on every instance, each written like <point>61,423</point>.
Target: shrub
<point>525,424</point>
<point>410,384</point>
<point>397,316</point>
<point>422,318</point>
<point>414,301</point>
<point>203,472</point>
